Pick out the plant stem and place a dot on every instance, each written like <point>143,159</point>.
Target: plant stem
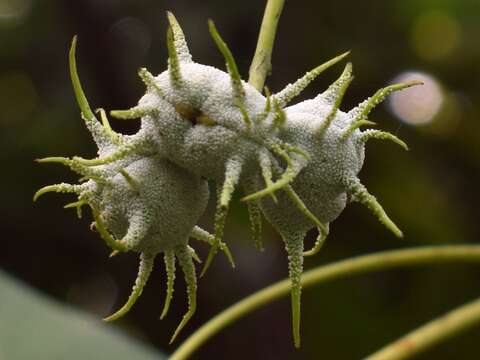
<point>357,265</point>
<point>262,61</point>
<point>430,334</point>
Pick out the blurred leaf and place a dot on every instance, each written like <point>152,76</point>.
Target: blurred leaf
<point>35,327</point>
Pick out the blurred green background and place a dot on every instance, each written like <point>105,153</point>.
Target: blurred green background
<point>432,192</point>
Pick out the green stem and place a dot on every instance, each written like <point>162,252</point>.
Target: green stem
<point>262,61</point>
<point>430,334</point>
<point>357,265</point>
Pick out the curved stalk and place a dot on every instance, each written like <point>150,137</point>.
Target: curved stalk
<point>262,60</point>
<point>357,265</point>
<point>432,333</point>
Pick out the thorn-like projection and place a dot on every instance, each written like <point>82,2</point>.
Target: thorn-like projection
<point>98,132</point>
<point>114,137</point>
<point>169,258</point>
<point>180,44</point>
<point>382,135</point>
<point>135,112</point>
<point>238,91</point>
<point>294,247</point>
<point>322,236</point>
<point>137,145</point>
<point>203,235</point>
<point>294,149</point>
<point>304,209</point>
<point>360,194</point>
<point>292,170</point>
<point>293,90</point>
<point>144,270</point>
<point>354,126</point>
<point>78,206</point>
<point>194,255</point>
<point>224,195</point>
<point>86,171</point>
<point>246,118</point>
<point>102,230</point>
<point>280,116</point>
<point>130,180</point>
<point>362,110</point>
<point>255,215</point>
<point>268,106</point>
<point>59,188</point>
<point>173,63</point>
<point>334,95</point>
<point>185,260</point>
<point>138,227</point>
<point>266,166</point>
<point>149,80</point>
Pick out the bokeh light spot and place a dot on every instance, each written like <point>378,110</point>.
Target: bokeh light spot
<point>435,35</point>
<point>420,104</point>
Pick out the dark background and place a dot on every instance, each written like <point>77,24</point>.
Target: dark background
<point>432,192</point>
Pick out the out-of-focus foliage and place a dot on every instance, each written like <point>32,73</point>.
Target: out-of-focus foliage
<point>431,192</point>
<point>35,327</point>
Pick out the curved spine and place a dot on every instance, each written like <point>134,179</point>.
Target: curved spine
<point>169,258</point>
<point>361,111</point>
<point>360,194</point>
<point>185,260</point>
<point>294,248</point>
<point>233,171</point>
<point>334,94</point>
<point>102,230</point>
<point>144,270</point>
<point>98,132</point>
<point>293,90</point>
<point>382,135</point>
<point>180,44</point>
<point>322,236</point>
<point>203,235</point>
<point>292,170</point>
<point>238,91</point>
<point>58,188</point>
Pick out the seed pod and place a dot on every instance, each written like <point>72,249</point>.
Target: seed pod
<point>140,201</point>
<point>336,147</point>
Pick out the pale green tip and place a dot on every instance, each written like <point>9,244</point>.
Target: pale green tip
<point>360,194</point>
<point>54,159</point>
<point>229,59</point>
<point>293,90</point>
<point>296,317</point>
<point>59,188</point>
<point>322,236</point>
<point>228,254</point>
<point>145,268</point>
<point>383,135</point>
<point>133,113</point>
<point>169,259</point>
<point>194,255</point>
<point>77,86</point>
<point>42,191</point>
<point>210,257</point>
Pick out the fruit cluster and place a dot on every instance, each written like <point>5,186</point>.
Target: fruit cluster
<point>298,164</point>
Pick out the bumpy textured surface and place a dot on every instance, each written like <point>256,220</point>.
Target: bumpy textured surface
<point>140,201</point>
<point>298,164</point>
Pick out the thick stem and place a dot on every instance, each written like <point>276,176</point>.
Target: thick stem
<point>357,265</point>
<point>262,61</point>
<point>430,334</point>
